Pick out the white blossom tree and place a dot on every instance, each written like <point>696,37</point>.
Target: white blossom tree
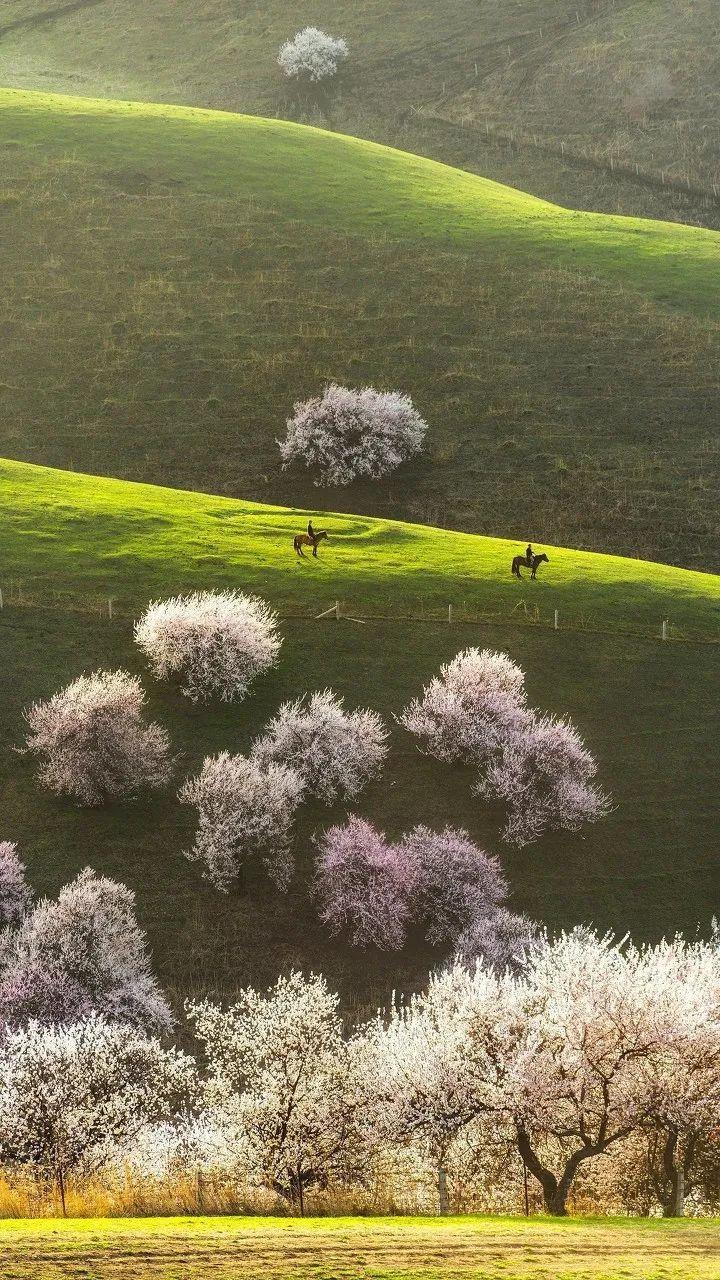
<point>464,712</point>
<point>79,954</point>
<point>214,642</point>
<point>438,1062</point>
<point>336,752</point>
<point>15,893</point>
<point>544,774</point>
<point>365,884</point>
<point>682,1080</point>
<point>312,56</point>
<point>245,811</point>
<point>93,741</point>
<point>592,1021</point>
<point>69,1096</point>
<point>346,434</point>
<point>283,1081</point>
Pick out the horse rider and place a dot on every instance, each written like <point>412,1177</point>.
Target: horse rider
<point>529,554</point>
<point>311,531</point>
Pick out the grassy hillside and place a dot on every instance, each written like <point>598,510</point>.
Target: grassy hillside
<point>176,278</point>
<point>648,709</point>
<point>424,1248</point>
<point>631,79</point>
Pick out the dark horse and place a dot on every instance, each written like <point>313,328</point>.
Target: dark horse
<point>308,540</point>
<point>532,564</point>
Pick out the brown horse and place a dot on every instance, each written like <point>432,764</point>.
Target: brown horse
<point>529,564</point>
<point>308,540</point>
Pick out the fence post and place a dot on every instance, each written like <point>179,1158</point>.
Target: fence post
<point>337,609</point>
<point>450,613</point>
<point>110,612</point>
<point>556,623</point>
<point>665,629</point>
<point>2,605</point>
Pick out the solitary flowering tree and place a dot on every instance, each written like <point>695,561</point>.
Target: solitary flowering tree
<point>455,881</point>
<point>544,773</point>
<point>15,893</point>
<point>71,1096</point>
<point>283,1083</point>
<point>214,642</point>
<point>364,884</point>
<point>81,953</point>
<point>93,741</point>
<point>464,712</point>
<point>245,811</point>
<point>336,752</point>
<point>312,56</point>
<point>346,434</point>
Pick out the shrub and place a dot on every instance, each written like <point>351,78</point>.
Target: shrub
<point>94,742</point>
<point>364,883</point>
<point>346,434</point>
<point>455,882</point>
<point>15,894</point>
<point>336,752</point>
<point>245,810</point>
<point>544,775</point>
<point>464,713</point>
<point>312,55</point>
<point>216,642</point>
<point>82,953</point>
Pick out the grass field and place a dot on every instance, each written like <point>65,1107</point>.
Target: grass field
<point>175,279</point>
<point>384,1249</point>
<point>649,710</point>
<point>634,79</point>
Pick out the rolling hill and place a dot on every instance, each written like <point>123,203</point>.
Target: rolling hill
<point>176,278</point>
<point>69,542</point>
<point>629,80</point>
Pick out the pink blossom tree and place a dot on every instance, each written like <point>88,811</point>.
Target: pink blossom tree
<point>498,939</point>
<point>93,741</point>
<point>15,893</point>
<point>245,811</point>
<point>336,752</point>
<point>464,712</point>
<point>215,642</point>
<point>544,774</point>
<point>364,884</point>
<point>79,954</point>
<point>455,882</point>
<point>346,434</point>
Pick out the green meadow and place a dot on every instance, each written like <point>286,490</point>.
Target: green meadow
<point>70,543</point>
<point>384,1249</point>
<point>177,278</point>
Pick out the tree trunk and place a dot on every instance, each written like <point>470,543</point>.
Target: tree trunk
<point>442,1185</point>
<point>674,1170</point>
<point>555,1190</point>
<point>61,1189</point>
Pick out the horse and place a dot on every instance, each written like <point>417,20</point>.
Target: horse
<point>529,564</point>
<point>308,540</point>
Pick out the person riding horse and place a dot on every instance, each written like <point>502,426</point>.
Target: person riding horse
<point>309,539</point>
<point>529,561</point>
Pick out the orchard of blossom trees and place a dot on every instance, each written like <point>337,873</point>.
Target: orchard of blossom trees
<point>593,1065</point>
<point>96,746</point>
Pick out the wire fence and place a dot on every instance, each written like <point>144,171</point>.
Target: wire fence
<point>16,596</point>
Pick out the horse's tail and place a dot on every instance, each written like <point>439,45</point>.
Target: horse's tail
<point>515,569</point>
<point>296,542</point>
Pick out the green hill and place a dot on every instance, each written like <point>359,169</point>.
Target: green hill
<point>177,278</point>
<point>631,80</point>
<point>648,709</point>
